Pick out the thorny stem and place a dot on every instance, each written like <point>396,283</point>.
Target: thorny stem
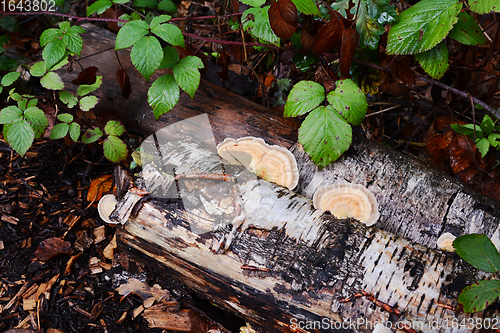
<point>227,42</point>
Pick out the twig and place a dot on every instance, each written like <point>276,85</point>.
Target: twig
<point>227,42</point>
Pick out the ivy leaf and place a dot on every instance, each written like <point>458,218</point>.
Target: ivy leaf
<point>163,95</point>
<point>435,61</point>
<point>467,31</point>
<point>68,98</point>
<point>10,78</point>
<point>479,251</point>
<point>130,33</point>
<point>187,75</point>
<point>146,55</point>
<point>92,135</point>
<point>169,33</point>
<point>115,149</point>
<point>54,52</point>
<point>52,81</point>
<point>99,7</point>
<point>74,131</point>
<point>157,20</point>
<point>114,127</point>
<point>10,114</point>
<point>48,35</point>
<point>65,117</point>
<point>422,26</point>
<point>170,57</point>
<point>484,6</point>
<point>260,26</point>
<point>36,116</point>
<point>88,102</point>
<point>59,131</point>
<point>480,295</point>
<point>307,7</point>
<point>38,69</point>
<point>74,42</point>
<point>86,89</point>
<point>20,136</point>
<point>349,101</point>
<point>304,97</point>
<point>325,135</point>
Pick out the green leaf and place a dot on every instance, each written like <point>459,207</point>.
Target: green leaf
<point>64,26</point>
<point>169,33</point>
<point>145,3</point>
<point>435,61</point>
<point>38,69</point>
<point>91,135</point>
<point>304,97</point>
<point>68,98</point>
<point>7,64</point>
<point>130,33</point>
<point>85,89</point>
<point>187,75</point>
<point>493,138</point>
<point>114,127</point>
<point>468,129</point>
<point>10,114</point>
<point>467,31</point>
<point>115,149</point>
<point>3,40</point>
<point>260,26</point>
<point>38,130</point>
<point>349,101</point>
<point>52,81</point>
<point>20,136</point>
<point>479,251</point>
<point>157,20</point>
<point>36,116</point>
<point>120,2</point>
<point>59,131</point>
<point>9,23</point>
<point>74,42</point>
<point>478,296</point>
<point>48,35</point>
<point>74,131</point>
<point>53,52</point>
<point>146,55</point>
<point>88,102</point>
<point>10,78</point>
<point>307,7</point>
<point>487,124</point>
<point>168,6</point>
<point>163,95</point>
<point>170,57</point>
<point>422,26</point>
<point>60,64</point>
<point>484,6</point>
<point>76,29</point>
<point>65,117</point>
<point>254,3</point>
<point>99,7</point>
<point>325,135</point>
<point>483,145</point>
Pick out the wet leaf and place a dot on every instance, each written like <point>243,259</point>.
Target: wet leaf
<point>350,38</point>
<point>480,295</point>
<point>479,251</point>
<point>484,6</point>
<point>283,18</point>
<point>328,37</point>
<point>187,74</point>
<point>435,61</point>
<point>467,31</point>
<point>53,247</point>
<point>53,52</point>
<point>124,82</point>
<point>146,55</point>
<point>87,76</point>
<point>163,95</point>
<point>257,20</point>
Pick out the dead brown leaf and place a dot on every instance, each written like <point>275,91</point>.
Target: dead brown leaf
<point>52,247</point>
<point>283,18</point>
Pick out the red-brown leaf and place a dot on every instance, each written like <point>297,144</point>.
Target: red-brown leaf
<point>328,37</point>
<point>124,82</point>
<point>307,41</point>
<point>52,247</point>
<point>402,73</point>
<point>283,18</point>
<point>462,151</point>
<point>87,76</point>
<point>350,38</point>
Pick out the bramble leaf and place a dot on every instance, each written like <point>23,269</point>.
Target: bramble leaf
<point>146,55</point>
<point>68,98</point>
<point>130,33</point>
<point>59,131</point>
<point>88,102</point>
<point>86,89</point>
<point>484,6</point>
<point>435,61</point>
<point>20,136</point>
<point>53,52</point>
<point>349,101</point>
<point>91,135</point>
<point>187,75</point>
<point>478,296</point>
<point>168,6</point>
<point>115,149</point>
<point>467,31</point>
<point>304,97</point>
<point>487,124</point>
<point>169,33</point>
<point>10,114</point>
<point>10,78</point>
<point>74,131</point>
<point>163,95</point>
<point>65,117</point>
<point>483,145</point>
<point>38,69</point>
<point>157,20</point>
<point>479,251</point>
<point>146,3</point>
<point>64,26</point>
<point>36,116</point>
<point>494,139</point>
<point>170,57</point>
<point>48,35</point>
<point>52,81</point>
<point>307,7</point>
<point>99,7</point>
<point>74,42</point>
<point>260,26</point>
<point>254,3</point>
<point>114,127</point>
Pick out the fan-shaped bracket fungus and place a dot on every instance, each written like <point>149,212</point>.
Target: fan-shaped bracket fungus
<point>270,162</point>
<point>106,206</point>
<point>445,242</point>
<point>348,200</point>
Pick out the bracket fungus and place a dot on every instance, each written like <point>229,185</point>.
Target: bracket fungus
<point>348,200</point>
<point>445,242</point>
<point>106,206</point>
<point>270,162</point>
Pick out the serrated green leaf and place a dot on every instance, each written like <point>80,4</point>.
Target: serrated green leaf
<point>36,116</point>
<point>494,139</point>
<point>307,7</point>
<point>169,33</point>
<point>370,18</point>
<point>480,295</point>
<point>53,52</point>
<point>60,64</point>
<point>74,131</point>
<point>168,6</point>
<point>120,2</point>
<point>479,251</point>
<point>9,23</point>
<point>146,56</point>
<point>74,42</point>
<point>157,20</point>
<point>467,31</point>
<point>99,7</point>
<point>52,81</point>
<point>65,117</point>
<point>349,101</point>
<point>64,26</point>
<point>10,114</point>
<point>163,95</point>
<point>20,136</point>
<point>483,145</point>
<point>254,3</point>
<point>484,6</point>
<point>38,69</point>
<point>304,97</point>
<point>10,78</point>
<point>88,102</point>
<point>76,29</point>
<point>86,89</point>
<point>115,149</point>
<point>187,75</point>
<point>487,124</point>
<point>435,61</point>
<point>422,26</point>
<point>59,131</point>
<point>114,127</point>
<point>145,3</point>
<point>170,57</point>
<point>467,129</point>
<point>325,135</point>
<point>38,130</point>
<point>91,135</point>
<point>130,33</point>
<point>68,98</point>
<point>260,26</point>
